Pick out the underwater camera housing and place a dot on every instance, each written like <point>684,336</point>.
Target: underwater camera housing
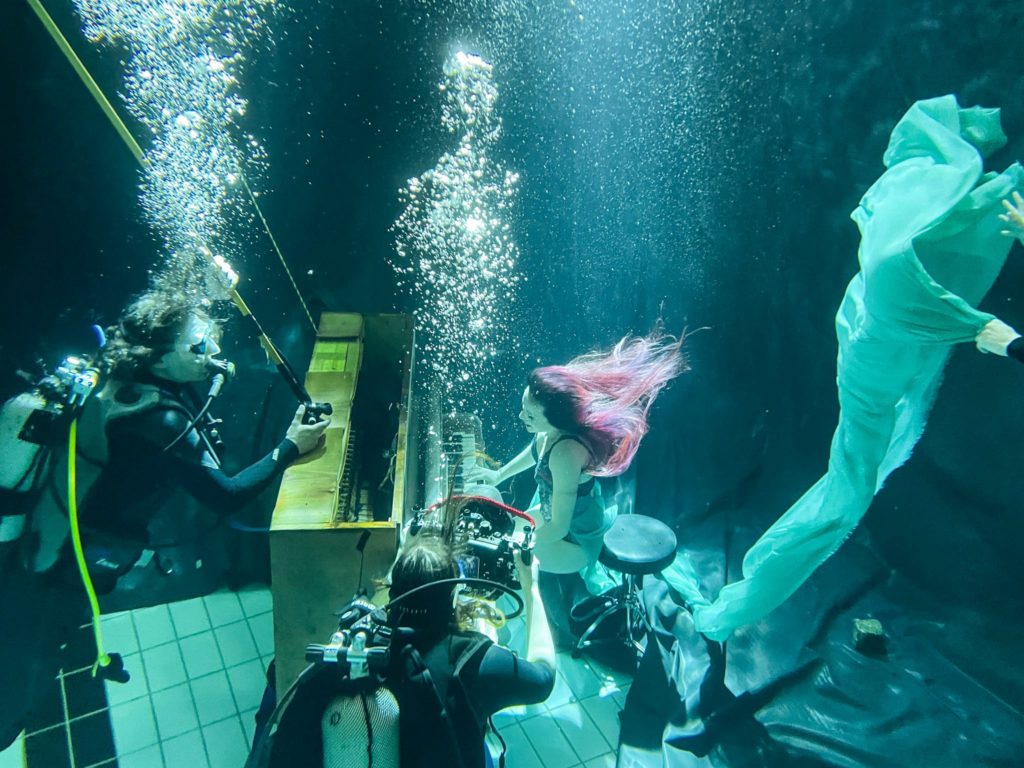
<point>36,421</point>
<point>60,395</point>
<point>487,530</point>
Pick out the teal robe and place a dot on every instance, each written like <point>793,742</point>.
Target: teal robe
<point>930,250</point>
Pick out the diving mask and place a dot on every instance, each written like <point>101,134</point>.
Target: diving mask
<point>199,339</point>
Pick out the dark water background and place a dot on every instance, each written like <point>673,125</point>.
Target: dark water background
<point>704,159</point>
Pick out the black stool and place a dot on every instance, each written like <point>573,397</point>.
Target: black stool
<point>634,546</point>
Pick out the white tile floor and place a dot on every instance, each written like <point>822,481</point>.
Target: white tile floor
<point>198,672</point>
<point>577,727</point>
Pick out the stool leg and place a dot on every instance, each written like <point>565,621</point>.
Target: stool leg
<point>585,640</point>
<point>636,595</point>
<point>632,600</point>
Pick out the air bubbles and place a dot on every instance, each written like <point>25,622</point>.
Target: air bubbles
<point>180,84</point>
<point>453,238</point>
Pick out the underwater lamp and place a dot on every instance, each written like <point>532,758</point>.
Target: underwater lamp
<point>470,60</point>
<point>227,275</point>
<point>230,276</point>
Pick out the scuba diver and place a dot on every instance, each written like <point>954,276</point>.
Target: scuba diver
<point>480,677</point>
<point>443,682</point>
<point>145,442</point>
<point>155,439</point>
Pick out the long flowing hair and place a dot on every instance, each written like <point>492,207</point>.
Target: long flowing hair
<point>148,328</point>
<point>604,397</point>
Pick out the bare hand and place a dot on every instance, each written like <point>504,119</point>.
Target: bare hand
<point>527,573</point>
<point>482,476</point>
<point>1014,217</point>
<point>306,437</point>
<point>995,337</point>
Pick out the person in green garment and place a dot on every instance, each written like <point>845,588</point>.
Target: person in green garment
<point>932,244</point>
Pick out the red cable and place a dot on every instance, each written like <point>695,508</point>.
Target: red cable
<point>504,507</point>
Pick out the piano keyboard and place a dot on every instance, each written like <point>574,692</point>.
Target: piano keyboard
<point>461,439</point>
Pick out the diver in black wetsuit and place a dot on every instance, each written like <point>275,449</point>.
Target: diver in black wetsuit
<point>479,677</point>
<point>445,697</point>
<point>154,465</point>
<point>155,447</point>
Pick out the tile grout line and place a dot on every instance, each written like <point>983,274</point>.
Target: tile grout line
<point>67,722</point>
<point>223,664</point>
<point>191,691</point>
<point>564,737</point>
<point>583,713</point>
<point>78,671</point>
<point>259,658</point>
<point>149,690</point>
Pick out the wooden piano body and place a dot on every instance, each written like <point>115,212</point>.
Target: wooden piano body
<point>336,525</point>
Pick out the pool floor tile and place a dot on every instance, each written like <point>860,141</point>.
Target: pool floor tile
<point>190,617</point>
<point>223,608</point>
<point>187,749</point>
<point>226,744</point>
<point>175,712</point>
<point>134,726</point>
<point>213,698</point>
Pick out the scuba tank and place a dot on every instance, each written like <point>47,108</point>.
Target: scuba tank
<point>21,457</point>
<point>22,467</point>
<point>361,728</point>
<point>338,713</point>
<point>33,435</point>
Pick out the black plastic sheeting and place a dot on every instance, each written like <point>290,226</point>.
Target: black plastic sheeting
<point>793,691</point>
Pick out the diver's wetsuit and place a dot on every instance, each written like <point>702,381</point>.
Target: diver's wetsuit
<point>141,474</point>
<point>498,680</point>
<point>1016,349</point>
<point>490,678</point>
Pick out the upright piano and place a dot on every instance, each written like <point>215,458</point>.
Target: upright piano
<point>336,526</point>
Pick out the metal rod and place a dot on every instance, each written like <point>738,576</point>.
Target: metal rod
<point>273,353</point>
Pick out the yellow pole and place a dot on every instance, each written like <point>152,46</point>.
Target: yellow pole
<point>124,133</point>
<point>83,73</point>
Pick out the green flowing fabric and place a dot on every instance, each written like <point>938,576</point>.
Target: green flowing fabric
<point>930,250</point>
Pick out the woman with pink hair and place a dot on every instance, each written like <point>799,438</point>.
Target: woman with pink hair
<point>587,417</point>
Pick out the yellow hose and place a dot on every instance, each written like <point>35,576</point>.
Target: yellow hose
<point>102,659</point>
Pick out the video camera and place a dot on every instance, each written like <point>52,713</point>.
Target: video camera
<point>59,394</point>
<point>487,530</point>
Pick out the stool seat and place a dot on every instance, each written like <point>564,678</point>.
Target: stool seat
<point>638,545</point>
